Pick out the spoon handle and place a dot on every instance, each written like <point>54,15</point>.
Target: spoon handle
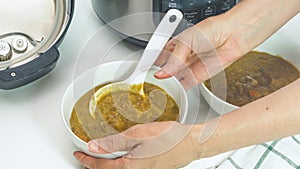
<point>158,40</point>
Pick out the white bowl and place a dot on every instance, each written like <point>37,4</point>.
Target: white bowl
<point>275,45</point>
<point>109,72</point>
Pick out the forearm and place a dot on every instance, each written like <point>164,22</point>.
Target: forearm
<point>253,21</point>
<point>272,117</point>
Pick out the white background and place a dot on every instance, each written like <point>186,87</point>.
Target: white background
<point>32,133</point>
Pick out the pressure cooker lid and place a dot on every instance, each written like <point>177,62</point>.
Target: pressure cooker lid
<point>30,28</point>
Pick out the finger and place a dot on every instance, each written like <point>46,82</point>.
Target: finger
<point>113,143</point>
<point>164,55</point>
<point>175,61</point>
<point>163,58</point>
<point>96,163</point>
<point>87,161</point>
<point>94,147</point>
<point>192,75</point>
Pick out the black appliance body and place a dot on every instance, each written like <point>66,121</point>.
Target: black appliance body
<point>137,19</point>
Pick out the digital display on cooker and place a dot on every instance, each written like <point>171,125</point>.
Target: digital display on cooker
<point>196,10</point>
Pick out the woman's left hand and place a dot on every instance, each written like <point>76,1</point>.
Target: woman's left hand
<point>164,145</point>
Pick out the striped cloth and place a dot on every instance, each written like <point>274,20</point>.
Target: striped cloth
<point>278,154</point>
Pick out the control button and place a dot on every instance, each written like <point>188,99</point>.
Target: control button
<point>5,51</point>
<point>225,7</point>
<point>174,4</point>
<point>209,11</point>
<point>191,22</point>
<point>20,45</point>
<point>189,3</point>
<point>190,14</point>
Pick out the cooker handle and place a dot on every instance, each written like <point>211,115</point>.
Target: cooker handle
<point>16,77</point>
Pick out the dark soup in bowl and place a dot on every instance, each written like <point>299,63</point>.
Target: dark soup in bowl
<point>253,76</point>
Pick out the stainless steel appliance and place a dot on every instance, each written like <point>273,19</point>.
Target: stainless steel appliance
<point>137,19</point>
<point>30,33</point>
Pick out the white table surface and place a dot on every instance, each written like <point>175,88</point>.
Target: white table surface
<point>33,135</point>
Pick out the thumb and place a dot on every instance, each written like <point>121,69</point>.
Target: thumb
<point>113,143</point>
<point>175,62</point>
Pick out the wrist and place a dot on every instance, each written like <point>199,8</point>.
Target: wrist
<point>198,148</point>
<point>252,21</point>
<point>205,139</point>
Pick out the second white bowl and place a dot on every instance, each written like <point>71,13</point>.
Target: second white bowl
<point>275,45</point>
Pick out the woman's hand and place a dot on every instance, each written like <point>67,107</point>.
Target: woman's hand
<point>165,145</point>
<point>213,44</point>
<point>200,52</point>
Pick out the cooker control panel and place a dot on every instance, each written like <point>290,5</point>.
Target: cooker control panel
<point>195,11</point>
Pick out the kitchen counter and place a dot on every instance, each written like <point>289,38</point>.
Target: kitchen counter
<point>33,135</point>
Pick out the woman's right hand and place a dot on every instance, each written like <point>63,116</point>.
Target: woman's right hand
<point>200,52</point>
<point>213,44</point>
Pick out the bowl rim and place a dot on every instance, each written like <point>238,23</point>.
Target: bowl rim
<point>213,96</point>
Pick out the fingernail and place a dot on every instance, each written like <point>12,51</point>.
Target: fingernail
<point>159,73</point>
<point>93,146</point>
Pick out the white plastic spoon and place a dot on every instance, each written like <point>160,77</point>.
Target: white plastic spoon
<point>159,39</point>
